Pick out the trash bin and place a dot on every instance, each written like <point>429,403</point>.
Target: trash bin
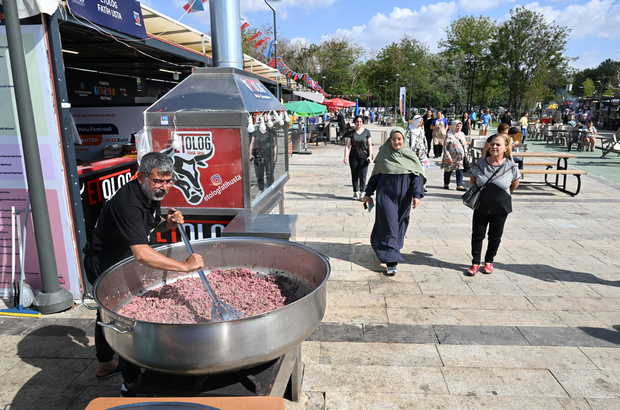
<point>296,141</point>
<point>333,133</point>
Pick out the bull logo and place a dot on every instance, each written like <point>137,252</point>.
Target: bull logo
<point>190,152</point>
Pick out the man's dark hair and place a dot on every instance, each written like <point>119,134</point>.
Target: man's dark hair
<point>502,127</point>
<point>157,160</point>
<point>513,131</point>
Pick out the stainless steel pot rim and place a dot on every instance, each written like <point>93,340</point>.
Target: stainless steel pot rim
<point>322,257</point>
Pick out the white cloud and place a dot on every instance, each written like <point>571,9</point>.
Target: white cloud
<point>476,6</point>
<point>598,18</point>
<point>587,59</point>
<point>283,8</point>
<point>426,25</point>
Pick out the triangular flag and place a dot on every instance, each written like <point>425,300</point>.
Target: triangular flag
<point>269,50</point>
<point>260,42</point>
<point>194,5</point>
<point>258,33</point>
<point>245,25</point>
<point>272,63</point>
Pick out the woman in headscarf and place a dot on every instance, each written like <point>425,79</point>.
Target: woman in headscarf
<point>454,150</point>
<point>399,181</point>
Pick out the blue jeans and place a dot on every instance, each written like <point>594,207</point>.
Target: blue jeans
<point>448,175</point>
<point>524,130</point>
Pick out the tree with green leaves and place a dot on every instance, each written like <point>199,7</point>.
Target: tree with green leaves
<point>527,44</point>
<point>395,59</point>
<point>471,37</point>
<point>588,87</point>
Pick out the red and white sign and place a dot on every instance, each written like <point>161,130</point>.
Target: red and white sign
<point>207,166</point>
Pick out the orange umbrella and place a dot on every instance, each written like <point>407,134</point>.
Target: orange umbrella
<point>338,103</point>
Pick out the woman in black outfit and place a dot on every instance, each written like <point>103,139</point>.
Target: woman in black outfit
<point>360,155</point>
<point>465,121</point>
<point>428,133</point>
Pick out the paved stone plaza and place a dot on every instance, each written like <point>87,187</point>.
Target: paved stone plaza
<point>541,332</point>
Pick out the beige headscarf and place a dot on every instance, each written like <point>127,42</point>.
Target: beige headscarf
<point>453,127</point>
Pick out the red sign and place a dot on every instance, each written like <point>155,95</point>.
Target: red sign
<point>207,166</point>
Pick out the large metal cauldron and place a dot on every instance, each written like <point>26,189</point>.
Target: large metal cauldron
<point>216,347</point>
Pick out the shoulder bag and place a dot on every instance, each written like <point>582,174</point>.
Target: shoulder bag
<point>471,198</point>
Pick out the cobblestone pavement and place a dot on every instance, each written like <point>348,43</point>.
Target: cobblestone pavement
<point>541,332</point>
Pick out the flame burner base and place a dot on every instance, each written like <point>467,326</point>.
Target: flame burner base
<point>278,377</point>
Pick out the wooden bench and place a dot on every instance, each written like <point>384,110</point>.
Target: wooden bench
<point>557,172</point>
<point>541,164</point>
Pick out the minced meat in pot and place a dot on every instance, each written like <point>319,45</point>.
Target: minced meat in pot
<point>186,301</point>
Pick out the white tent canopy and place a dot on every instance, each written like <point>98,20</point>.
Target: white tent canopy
<point>316,97</point>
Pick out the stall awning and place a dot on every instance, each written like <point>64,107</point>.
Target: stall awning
<point>316,97</point>
<point>169,30</point>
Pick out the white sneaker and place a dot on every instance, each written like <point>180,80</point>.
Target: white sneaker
<point>361,196</point>
<point>391,271</point>
<point>355,197</point>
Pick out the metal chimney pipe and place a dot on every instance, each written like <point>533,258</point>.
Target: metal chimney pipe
<point>226,33</point>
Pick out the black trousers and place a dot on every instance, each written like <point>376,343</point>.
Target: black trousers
<point>358,161</point>
<point>429,143</point>
<point>478,231</point>
<point>104,351</point>
<point>437,150</point>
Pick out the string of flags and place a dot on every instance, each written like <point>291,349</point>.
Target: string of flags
<point>260,38</point>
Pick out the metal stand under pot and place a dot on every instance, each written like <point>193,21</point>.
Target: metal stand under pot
<point>279,377</point>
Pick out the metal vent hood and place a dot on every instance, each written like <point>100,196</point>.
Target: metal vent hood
<point>212,96</point>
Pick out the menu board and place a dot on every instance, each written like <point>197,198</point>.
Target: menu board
<point>13,184</point>
<point>102,126</point>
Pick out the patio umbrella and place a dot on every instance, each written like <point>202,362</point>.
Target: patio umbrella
<point>552,107</point>
<point>338,103</point>
<point>305,108</point>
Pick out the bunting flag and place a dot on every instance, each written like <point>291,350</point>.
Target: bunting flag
<point>269,50</point>
<point>258,33</point>
<point>244,26</point>
<point>194,6</point>
<point>260,42</point>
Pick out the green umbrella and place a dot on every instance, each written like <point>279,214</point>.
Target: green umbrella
<point>305,108</point>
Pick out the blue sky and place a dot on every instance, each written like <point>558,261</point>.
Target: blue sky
<point>595,24</point>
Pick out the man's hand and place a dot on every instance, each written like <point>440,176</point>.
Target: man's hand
<point>416,202</point>
<point>174,217</point>
<point>193,262</point>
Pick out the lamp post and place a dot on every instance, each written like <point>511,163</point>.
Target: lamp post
<point>597,84</point>
<point>305,51</point>
<point>396,99</point>
<point>385,96</point>
<point>275,47</point>
<point>411,85</point>
<point>323,77</point>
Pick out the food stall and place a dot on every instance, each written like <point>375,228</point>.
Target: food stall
<point>228,137</point>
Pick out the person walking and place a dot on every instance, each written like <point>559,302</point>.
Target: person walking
<point>506,119</point>
<point>523,123</point>
<point>500,177</point>
<point>359,148</point>
<point>454,150</point>
<point>486,119</point>
<point>428,132</point>
<point>398,179</point>
<point>466,123</point>
<point>472,119</point>
<point>439,127</point>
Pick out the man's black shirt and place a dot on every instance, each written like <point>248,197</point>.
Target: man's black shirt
<point>506,119</point>
<point>126,219</point>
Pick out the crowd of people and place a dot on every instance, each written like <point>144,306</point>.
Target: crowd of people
<point>398,178</point>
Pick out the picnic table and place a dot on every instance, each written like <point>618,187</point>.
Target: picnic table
<point>561,168</point>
